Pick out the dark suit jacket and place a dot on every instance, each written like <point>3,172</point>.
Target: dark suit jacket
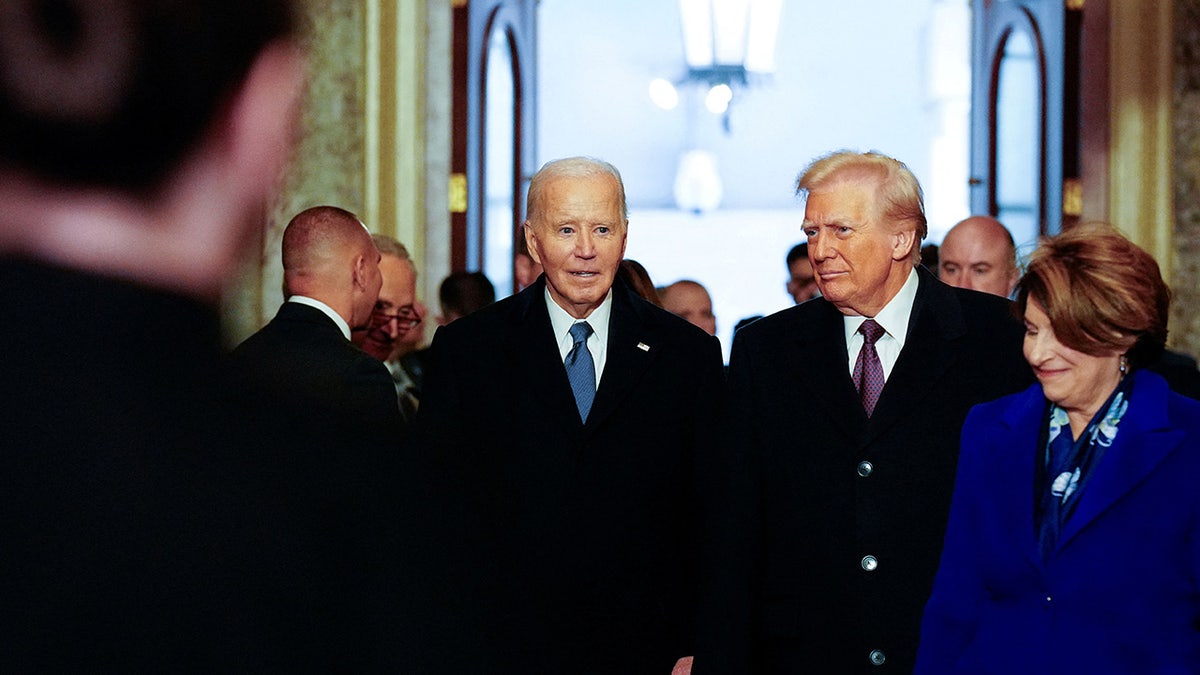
<point>301,356</point>
<point>159,518</point>
<point>1121,591</point>
<point>822,487</point>
<point>568,546</point>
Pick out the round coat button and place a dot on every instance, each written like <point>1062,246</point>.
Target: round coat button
<point>869,563</point>
<point>865,469</point>
<point>877,657</point>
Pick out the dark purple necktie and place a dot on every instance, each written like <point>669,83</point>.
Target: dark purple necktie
<point>868,371</point>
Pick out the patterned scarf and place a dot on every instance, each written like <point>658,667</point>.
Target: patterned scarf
<point>1068,463</point>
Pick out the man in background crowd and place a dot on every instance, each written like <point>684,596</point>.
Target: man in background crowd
<point>396,315</point>
<point>331,279</point>
<point>462,293</point>
<point>978,253</point>
<point>690,300</point>
<point>802,282</point>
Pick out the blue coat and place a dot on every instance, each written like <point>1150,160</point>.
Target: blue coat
<point>1119,594</point>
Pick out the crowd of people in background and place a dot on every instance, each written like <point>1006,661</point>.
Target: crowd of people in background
<point>940,463</point>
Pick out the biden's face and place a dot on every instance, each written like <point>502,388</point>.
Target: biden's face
<point>578,236</point>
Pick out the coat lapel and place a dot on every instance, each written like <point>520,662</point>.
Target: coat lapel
<point>632,347</point>
<point>932,347</point>
<point>1020,426</point>
<point>819,360</point>
<point>533,349</point>
<point>1144,439</point>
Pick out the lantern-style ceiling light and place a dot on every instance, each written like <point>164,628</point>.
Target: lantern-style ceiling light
<point>726,43</point>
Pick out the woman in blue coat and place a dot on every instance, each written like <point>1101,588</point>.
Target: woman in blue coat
<point>1074,537</point>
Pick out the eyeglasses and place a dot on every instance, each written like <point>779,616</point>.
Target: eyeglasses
<point>407,317</point>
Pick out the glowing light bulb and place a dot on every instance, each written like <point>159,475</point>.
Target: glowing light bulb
<point>663,94</point>
<point>718,98</point>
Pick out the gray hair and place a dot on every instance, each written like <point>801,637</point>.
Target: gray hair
<point>572,167</point>
<point>899,195</point>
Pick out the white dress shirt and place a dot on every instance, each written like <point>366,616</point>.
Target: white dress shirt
<point>597,342</point>
<point>893,318</point>
<point>326,309</point>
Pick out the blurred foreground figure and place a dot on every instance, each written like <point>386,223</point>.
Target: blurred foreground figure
<point>148,525</point>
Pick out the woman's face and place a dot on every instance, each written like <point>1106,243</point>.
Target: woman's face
<point>1077,382</point>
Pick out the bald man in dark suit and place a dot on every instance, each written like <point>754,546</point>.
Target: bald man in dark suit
<point>572,419</point>
<point>325,414</point>
<point>332,279</point>
<point>845,419</point>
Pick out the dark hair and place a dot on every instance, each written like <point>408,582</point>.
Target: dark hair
<point>797,252</point>
<point>638,279</point>
<point>115,92</point>
<point>1100,291</point>
<point>929,258</point>
<point>464,292</point>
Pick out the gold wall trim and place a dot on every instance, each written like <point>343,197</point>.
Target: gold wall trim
<point>1141,141</point>
<point>1072,197</point>
<point>458,193</point>
<point>395,132</point>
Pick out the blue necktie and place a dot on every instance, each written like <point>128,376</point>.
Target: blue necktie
<point>580,369</point>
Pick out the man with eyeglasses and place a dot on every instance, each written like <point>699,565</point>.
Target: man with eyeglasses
<point>396,313</point>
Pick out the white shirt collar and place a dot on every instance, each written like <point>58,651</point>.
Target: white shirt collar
<point>893,317</point>
<point>326,309</point>
<point>597,343</point>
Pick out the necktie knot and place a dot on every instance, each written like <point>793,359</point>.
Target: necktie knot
<point>871,331</point>
<point>581,331</point>
<point>581,369</point>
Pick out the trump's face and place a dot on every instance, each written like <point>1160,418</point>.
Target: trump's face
<point>860,261</point>
<point>578,236</point>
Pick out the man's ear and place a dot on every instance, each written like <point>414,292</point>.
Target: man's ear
<point>530,238</point>
<point>902,244</point>
<point>358,274</point>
